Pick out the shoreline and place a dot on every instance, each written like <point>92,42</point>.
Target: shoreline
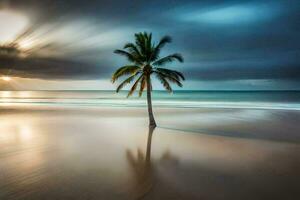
<point>170,104</point>
<point>264,124</point>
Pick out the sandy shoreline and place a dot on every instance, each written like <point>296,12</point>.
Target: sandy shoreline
<point>101,153</point>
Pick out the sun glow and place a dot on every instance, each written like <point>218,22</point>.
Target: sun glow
<point>25,44</point>
<point>11,24</point>
<point>6,78</point>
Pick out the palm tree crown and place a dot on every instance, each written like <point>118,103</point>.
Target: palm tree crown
<point>146,61</point>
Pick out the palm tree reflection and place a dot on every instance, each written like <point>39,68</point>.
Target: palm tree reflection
<point>144,170</point>
<point>141,167</point>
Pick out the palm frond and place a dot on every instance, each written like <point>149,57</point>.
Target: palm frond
<point>134,86</point>
<point>142,86</point>
<point>126,81</point>
<point>125,70</point>
<point>164,82</point>
<point>140,42</point>
<point>131,57</point>
<point>148,46</point>
<point>133,49</point>
<point>168,59</point>
<point>156,50</point>
<point>163,41</point>
<point>170,77</point>
<point>179,75</point>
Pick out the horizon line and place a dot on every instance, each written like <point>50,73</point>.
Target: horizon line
<point>237,90</point>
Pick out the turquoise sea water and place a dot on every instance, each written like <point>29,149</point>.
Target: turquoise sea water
<point>224,99</point>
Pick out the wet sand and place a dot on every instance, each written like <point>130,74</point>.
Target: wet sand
<point>109,153</point>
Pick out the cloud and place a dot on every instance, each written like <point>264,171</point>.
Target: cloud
<point>220,40</point>
<point>243,72</point>
<point>227,14</point>
<point>50,68</point>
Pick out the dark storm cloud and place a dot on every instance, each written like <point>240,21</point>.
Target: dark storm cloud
<point>49,68</point>
<point>234,39</point>
<point>257,65</point>
<point>276,72</point>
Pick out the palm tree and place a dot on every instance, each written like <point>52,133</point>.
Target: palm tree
<point>145,60</point>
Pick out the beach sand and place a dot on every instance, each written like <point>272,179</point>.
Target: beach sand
<point>110,153</point>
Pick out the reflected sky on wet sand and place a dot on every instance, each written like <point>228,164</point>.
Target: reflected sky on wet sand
<point>71,155</point>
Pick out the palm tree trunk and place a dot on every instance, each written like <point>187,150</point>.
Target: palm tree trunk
<point>152,122</point>
<point>149,141</point>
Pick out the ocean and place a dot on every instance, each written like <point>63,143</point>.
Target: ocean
<point>288,100</point>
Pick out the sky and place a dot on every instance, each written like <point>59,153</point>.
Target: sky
<point>226,45</point>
